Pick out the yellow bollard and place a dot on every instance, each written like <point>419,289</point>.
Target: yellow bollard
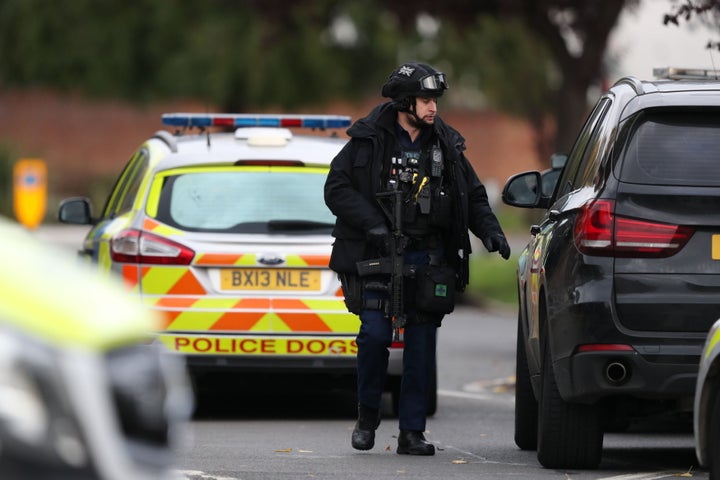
<point>30,191</point>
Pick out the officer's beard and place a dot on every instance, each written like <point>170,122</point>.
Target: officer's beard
<point>416,121</point>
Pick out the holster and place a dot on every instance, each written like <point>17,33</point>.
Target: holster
<point>352,288</point>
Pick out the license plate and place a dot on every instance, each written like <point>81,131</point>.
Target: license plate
<point>270,279</point>
<point>716,247</point>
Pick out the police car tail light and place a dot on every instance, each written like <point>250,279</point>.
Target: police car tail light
<point>598,231</point>
<point>202,120</point>
<point>135,246</point>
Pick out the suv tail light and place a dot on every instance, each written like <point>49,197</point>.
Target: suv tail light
<point>136,246</point>
<point>598,231</point>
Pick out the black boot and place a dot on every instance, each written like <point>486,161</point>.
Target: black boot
<point>363,435</point>
<point>411,442</point>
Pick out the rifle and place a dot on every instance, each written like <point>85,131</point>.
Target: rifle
<point>405,173</point>
<point>394,265</point>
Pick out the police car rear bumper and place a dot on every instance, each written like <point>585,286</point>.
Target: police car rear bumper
<point>344,364</point>
<point>286,364</point>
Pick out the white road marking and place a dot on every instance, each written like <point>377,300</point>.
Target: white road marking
<point>475,396</point>
<point>197,475</point>
<point>642,476</point>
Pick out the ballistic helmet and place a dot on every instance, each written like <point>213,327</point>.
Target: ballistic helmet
<point>414,80</point>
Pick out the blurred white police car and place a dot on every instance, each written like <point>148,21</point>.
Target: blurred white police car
<point>84,394</point>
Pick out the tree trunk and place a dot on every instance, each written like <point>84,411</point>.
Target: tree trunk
<point>591,22</point>
<point>571,110</point>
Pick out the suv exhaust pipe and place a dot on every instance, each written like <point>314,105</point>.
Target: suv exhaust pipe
<point>617,373</point>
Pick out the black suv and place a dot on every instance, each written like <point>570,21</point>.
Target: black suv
<point>620,281</point>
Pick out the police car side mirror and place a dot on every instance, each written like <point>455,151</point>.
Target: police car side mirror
<point>76,211</point>
<point>523,190</point>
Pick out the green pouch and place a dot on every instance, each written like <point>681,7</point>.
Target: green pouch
<point>435,289</point>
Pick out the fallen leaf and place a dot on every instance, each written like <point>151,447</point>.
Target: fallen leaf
<point>286,450</point>
<point>686,474</point>
<point>502,389</point>
<point>388,448</point>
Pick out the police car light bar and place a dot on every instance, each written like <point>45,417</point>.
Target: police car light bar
<point>254,120</point>
<point>674,73</point>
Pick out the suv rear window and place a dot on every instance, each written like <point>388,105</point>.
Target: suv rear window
<point>674,148</point>
<point>247,201</point>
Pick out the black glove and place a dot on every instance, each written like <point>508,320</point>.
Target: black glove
<point>497,243</point>
<point>379,237</point>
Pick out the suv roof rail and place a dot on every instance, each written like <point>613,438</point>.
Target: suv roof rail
<point>168,138</point>
<point>675,73</point>
<point>633,82</point>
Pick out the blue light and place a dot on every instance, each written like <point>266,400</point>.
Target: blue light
<point>255,120</point>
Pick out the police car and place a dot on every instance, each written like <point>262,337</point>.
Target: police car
<point>220,226</point>
<point>706,411</point>
<point>83,395</point>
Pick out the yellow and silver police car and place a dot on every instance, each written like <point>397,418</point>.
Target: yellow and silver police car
<point>84,394</point>
<point>219,224</point>
<point>706,411</point>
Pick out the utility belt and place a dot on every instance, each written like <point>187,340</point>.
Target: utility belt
<point>424,242</point>
<point>432,286</point>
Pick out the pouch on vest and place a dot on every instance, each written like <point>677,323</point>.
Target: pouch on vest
<point>435,289</point>
<point>441,213</point>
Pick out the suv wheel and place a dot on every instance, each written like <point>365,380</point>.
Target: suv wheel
<point>526,407</point>
<point>569,434</point>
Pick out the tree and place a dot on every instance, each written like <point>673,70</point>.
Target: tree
<point>708,11</point>
<point>536,58</point>
<point>575,32</point>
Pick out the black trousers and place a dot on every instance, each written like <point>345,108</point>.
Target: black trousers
<point>419,356</point>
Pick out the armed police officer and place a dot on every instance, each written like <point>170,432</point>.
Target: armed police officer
<point>404,196</point>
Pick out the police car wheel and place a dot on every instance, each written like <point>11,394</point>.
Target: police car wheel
<point>713,438</point>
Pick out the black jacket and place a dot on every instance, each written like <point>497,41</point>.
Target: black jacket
<point>356,176</point>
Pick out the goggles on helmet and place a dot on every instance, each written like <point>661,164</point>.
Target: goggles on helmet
<point>435,81</point>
